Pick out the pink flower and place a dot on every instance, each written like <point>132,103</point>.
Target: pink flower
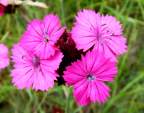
<point>88,77</point>
<point>2,10</point>
<point>32,71</point>
<point>104,33</point>
<point>42,35</point>
<point>3,4</point>
<point>4,60</point>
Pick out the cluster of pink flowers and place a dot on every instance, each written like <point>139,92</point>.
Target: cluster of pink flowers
<point>36,57</point>
<point>102,39</point>
<point>84,58</point>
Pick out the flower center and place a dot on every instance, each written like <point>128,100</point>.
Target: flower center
<point>46,38</point>
<point>90,77</point>
<point>36,61</point>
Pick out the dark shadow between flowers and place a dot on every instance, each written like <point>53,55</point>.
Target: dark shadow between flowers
<point>71,54</point>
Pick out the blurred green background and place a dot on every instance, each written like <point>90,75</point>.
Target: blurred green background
<point>127,94</point>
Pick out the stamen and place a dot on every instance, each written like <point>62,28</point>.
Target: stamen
<point>46,38</point>
<point>91,77</point>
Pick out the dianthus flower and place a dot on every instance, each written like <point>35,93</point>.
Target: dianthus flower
<point>32,71</point>
<point>4,59</point>
<point>3,4</point>
<point>88,76</point>
<point>103,33</point>
<point>42,35</point>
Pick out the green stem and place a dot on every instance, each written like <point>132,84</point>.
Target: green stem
<point>129,85</point>
<point>63,12</point>
<point>42,101</point>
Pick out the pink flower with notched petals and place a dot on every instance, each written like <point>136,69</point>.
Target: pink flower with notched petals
<point>42,35</point>
<point>104,33</point>
<point>32,71</point>
<point>4,59</point>
<point>88,77</point>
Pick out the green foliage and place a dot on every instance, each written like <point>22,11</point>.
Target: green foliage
<point>127,89</point>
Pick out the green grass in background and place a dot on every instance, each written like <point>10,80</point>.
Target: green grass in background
<point>128,88</point>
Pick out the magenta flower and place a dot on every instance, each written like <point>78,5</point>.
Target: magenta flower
<point>88,77</point>
<point>32,71</point>
<point>104,33</point>
<point>4,59</point>
<point>2,10</point>
<point>3,4</point>
<point>42,35</point>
